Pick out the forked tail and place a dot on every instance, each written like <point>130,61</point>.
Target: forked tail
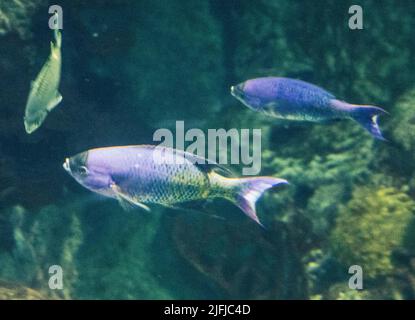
<point>367,116</point>
<point>56,33</point>
<point>249,190</point>
<point>244,192</point>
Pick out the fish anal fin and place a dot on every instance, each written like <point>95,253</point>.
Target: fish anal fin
<point>193,206</point>
<point>53,103</point>
<point>196,206</point>
<point>126,202</point>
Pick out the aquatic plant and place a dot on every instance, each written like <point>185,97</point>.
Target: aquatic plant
<point>403,123</point>
<point>370,227</point>
<point>241,262</point>
<point>50,237</point>
<point>15,291</point>
<point>321,179</point>
<point>340,291</point>
<point>124,267</point>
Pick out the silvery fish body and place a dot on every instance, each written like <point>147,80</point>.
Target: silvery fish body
<point>141,175</point>
<point>44,94</point>
<point>292,99</point>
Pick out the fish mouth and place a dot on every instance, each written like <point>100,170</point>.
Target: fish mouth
<point>66,165</point>
<point>236,91</point>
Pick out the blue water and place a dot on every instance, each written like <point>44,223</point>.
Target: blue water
<point>132,67</point>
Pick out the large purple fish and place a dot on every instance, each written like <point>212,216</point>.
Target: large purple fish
<point>298,100</point>
<point>141,175</point>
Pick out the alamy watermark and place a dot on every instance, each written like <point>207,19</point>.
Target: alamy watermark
<point>356,20</point>
<point>56,20</point>
<point>56,277</point>
<point>231,146</point>
<point>356,280</point>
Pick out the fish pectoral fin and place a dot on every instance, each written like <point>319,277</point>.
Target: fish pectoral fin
<point>126,202</point>
<point>129,204</point>
<point>52,104</point>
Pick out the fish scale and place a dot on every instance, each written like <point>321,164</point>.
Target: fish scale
<point>174,187</point>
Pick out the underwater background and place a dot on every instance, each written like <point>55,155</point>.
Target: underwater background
<point>131,67</point>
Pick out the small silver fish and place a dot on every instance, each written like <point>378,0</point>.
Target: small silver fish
<point>44,95</point>
<point>134,176</point>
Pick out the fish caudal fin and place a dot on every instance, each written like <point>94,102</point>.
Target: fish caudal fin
<point>58,38</point>
<point>249,190</point>
<point>56,32</point>
<point>367,116</point>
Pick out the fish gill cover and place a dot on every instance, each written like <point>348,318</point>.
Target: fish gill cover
<point>131,67</point>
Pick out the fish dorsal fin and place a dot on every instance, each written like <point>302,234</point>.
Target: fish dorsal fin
<point>213,166</point>
<point>54,102</point>
<point>207,165</point>
<point>125,201</point>
<point>201,163</point>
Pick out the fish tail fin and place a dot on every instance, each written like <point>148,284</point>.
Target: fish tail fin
<point>249,190</point>
<point>367,117</point>
<point>56,32</point>
<point>58,38</point>
<point>244,192</point>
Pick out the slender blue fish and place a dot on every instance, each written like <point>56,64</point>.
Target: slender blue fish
<point>141,175</point>
<point>298,100</point>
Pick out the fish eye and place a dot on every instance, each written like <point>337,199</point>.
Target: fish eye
<point>83,171</point>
